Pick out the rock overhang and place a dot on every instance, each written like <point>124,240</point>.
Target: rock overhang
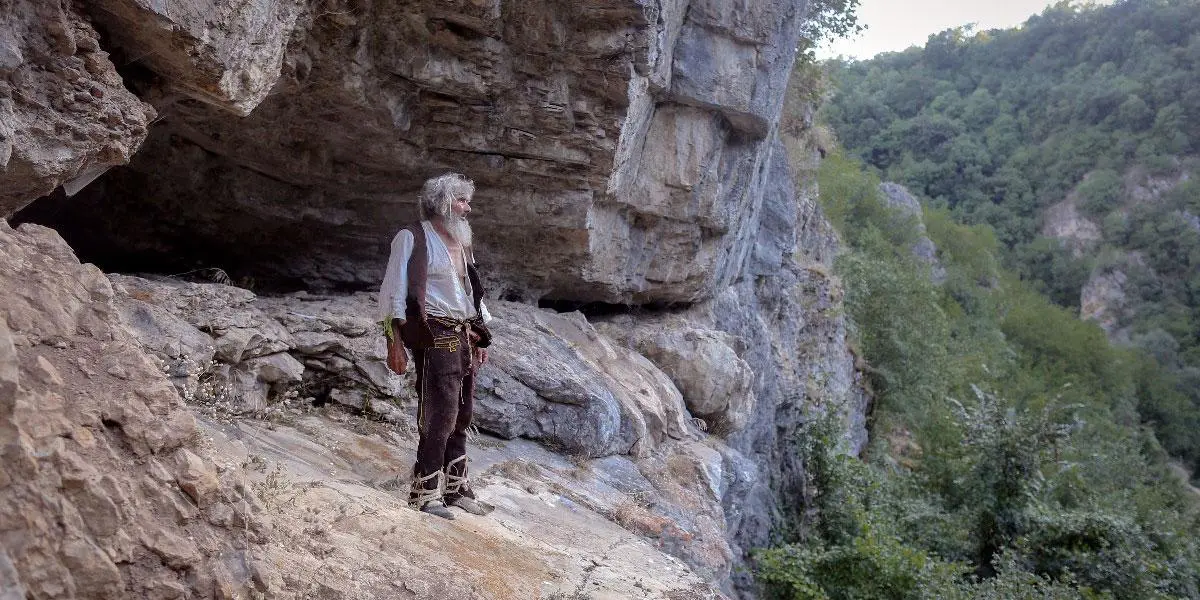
<point>619,151</point>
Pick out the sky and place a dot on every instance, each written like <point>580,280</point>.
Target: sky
<point>893,25</point>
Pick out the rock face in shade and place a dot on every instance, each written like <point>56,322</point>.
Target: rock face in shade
<point>622,149</point>
<point>65,115</point>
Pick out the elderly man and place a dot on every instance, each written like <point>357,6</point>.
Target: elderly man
<point>431,301</point>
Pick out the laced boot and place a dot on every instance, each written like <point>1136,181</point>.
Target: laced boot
<point>458,491</point>
<point>424,498</point>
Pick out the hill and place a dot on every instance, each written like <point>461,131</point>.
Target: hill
<point>1074,137</point>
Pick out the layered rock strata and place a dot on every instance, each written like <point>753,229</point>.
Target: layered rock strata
<point>621,148</point>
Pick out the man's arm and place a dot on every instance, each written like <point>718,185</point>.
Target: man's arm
<point>392,297</point>
<point>394,290</point>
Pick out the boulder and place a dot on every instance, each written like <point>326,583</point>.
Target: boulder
<point>553,377</point>
<point>65,115</point>
<point>716,384</point>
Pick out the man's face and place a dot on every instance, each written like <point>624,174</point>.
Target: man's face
<point>461,206</point>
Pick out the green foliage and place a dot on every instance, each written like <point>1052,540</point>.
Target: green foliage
<point>1042,486</point>
<point>827,20</point>
<point>1100,192</point>
<point>1099,103</point>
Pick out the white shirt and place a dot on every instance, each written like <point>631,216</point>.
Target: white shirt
<point>446,294</point>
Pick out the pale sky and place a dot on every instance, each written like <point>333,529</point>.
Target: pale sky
<point>893,25</point>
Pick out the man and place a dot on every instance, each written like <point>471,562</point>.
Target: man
<point>431,301</point>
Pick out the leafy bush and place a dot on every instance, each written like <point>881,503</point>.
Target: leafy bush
<point>1100,192</point>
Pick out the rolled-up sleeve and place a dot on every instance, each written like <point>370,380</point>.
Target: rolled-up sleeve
<point>394,291</point>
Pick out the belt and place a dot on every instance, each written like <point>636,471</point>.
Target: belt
<point>455,324</point>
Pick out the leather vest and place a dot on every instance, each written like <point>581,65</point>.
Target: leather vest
<point>415,332</point>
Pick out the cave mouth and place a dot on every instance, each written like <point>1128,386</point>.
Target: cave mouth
<point>132,237</point>
<point>609,309</point>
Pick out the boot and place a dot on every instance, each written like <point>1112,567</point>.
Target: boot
<point>424,498</point>
<point>458,491</point>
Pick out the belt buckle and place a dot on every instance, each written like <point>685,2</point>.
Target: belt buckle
<point>446,342</point>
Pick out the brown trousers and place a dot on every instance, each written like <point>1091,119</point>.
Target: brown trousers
<point>445,401</point>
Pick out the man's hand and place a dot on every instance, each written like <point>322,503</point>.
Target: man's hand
<point>397,357</point>
<point>480,353</point>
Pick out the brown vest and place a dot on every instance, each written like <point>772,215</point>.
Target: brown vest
<point>415,332</point>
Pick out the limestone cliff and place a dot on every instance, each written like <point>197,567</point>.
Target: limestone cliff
<point>634,134</point>
<point>627,157</point>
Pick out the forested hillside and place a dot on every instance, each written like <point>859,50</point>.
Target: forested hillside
<point>1075,138</point>
<point>1007,460</point>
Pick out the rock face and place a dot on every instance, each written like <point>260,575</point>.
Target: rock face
<point>622,150</point>
<point>907,207</point>
<point>1107,299</point>
<point>223,52</point>
<point>103,486</point>
<point>65,115</point>
<point>789,328</point>
<point>702,363</point>
<point>1063,221</point>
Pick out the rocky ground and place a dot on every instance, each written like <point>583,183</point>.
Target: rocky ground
<point>166,439</point>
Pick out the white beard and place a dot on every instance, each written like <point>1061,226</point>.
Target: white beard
<point>459,229</point>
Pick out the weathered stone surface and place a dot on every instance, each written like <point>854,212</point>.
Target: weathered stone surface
<point>64,113</point>
<point>561,525</point>
<point>727,57</point>
<point>554,378</point>
<point>222,52</point>
<point>182,348</point>
<point>716,384</point>
<point>1065,222</point>
<point>551,377</point>
<point>10,582</point>
<point>10,377</point>
<point>81,404</point>
<point>1105,297</point>
<point>94,574</point>
<point>634,135</point>
<point>196,476</point>
<point>794,334</point>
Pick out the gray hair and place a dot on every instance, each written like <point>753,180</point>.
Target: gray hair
<point>439,193</point>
